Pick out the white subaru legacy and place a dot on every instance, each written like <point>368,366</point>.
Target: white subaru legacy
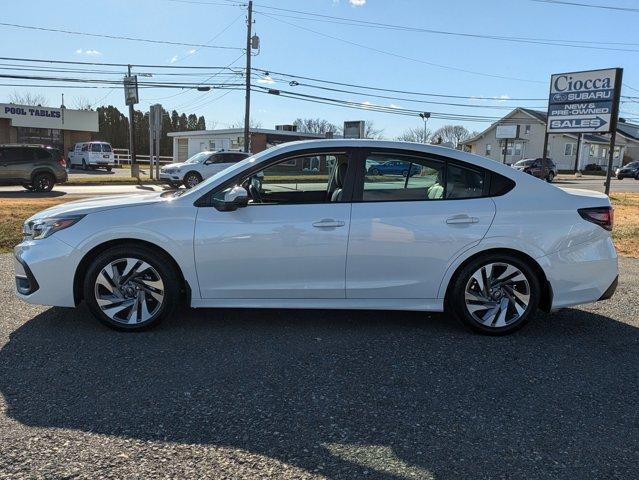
<point>313,224</point>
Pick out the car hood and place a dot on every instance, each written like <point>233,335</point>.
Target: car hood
<point>173,165</point>
<point>97,204</point>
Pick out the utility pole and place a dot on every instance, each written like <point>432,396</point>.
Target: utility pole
<point>247,106</point>
<point>131,128</point>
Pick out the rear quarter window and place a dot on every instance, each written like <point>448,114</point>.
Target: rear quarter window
<point>41,154</point>
<point>500,185</point>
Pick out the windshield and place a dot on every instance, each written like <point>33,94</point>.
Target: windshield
<point>199,157</point>
<point>234,168</point>
<point>524,163</point>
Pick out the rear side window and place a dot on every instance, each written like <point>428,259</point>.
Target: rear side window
<point>42,154</point>
<point>397,177</point>
<point>18,155</point>
<point>462,182</point>
<point>96,147</point>
<point>106,147</point>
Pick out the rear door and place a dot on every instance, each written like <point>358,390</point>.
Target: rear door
<point>405,230</point>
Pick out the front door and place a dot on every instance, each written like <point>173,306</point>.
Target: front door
<point>289,242</point>
<point>405,230</point>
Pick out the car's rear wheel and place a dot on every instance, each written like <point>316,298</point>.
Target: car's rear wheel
<point>43,182</point>
<point>108,169</point>
<point>131,288</point>
<point>495,294</point>
<point>550,177</point>
<point>191,179</point>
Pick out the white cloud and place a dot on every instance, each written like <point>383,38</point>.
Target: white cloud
<point>266,79</point>
<point>192,51</point>
<point>357,3</point>
<point>392,105</point>
<point>174,59</point>
<point>89,52</point>
<point>504,97</point>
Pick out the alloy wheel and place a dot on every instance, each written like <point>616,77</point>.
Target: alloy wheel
<point>129,291</point>
<point>497,294</point>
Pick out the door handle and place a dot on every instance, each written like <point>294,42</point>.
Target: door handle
<point>329,223</point>
<point>458,219</point>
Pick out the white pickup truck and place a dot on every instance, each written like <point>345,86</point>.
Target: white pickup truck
<point>91,155</point>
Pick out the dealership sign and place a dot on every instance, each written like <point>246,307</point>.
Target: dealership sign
<point>584,101</point>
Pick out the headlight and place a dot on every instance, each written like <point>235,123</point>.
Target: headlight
<point>169,170</point>
<point>42,228</point>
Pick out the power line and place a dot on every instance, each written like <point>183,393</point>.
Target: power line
<point>397,55</point>
<point>106,64</point>
<point>588,5</point>
<point>380,89</point>
<point>117,37</point>
<point>586,44</point>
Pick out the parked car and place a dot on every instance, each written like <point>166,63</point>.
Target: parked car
<point>92,155</point>
<point>393,167</point>
<point>466,239</point>
<point>537,167</point>
<point>36,168</point>
<point>199,167</point>
<point>631,170</point>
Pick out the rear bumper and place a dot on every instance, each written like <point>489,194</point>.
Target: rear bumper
<point>583,273</point>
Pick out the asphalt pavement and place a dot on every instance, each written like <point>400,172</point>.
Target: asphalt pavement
<point>255,394</point>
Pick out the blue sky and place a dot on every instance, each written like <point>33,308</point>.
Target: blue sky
<point>287,48</point>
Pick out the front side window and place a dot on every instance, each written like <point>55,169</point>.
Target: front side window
<point>393,178</point>
<point>281,184</point>
<point>84,147</point>
<point>199,157</point>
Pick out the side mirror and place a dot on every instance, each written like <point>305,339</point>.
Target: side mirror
<point>235,198</point>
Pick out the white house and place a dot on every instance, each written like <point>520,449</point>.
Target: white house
<point>562,148</point>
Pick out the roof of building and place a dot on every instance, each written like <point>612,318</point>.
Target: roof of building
<point>625,129</point>
<point>240,131</point>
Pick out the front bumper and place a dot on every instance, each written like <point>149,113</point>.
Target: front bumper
<point>170,177</point>
<point>44,271</point>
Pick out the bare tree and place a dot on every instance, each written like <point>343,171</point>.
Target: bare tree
<point>82,103</point>
<point>315,125</point>
<point>28,98</point>
<point>414,135</point>
<point>371,132</point>
<point>252,124</point>
<point>454,134</point>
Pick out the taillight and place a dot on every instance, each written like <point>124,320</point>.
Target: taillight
<point>62,162</point>
<point>602,216</point>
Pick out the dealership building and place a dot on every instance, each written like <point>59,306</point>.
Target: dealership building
<point>60,128</point>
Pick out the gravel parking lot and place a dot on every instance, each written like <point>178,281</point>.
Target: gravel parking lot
<point>319,394</point>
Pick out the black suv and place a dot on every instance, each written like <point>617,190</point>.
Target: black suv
<point>36,168</point>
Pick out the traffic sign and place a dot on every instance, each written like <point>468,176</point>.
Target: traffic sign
<point>584,102</point>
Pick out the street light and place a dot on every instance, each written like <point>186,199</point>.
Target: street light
<point>425,116</point>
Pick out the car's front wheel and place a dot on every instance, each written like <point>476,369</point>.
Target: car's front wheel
<point>191,179</point>
<point>131,288</point>
<point>495,294</point>
<point>550,177</point>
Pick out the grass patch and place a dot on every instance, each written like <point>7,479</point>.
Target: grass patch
<point>14,211</point>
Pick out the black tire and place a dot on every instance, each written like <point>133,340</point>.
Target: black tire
<point>174,184</point>
<point>637,176</point>
<point>374,171</point>
<point>456,302</point>
<point>71,166</point>
<point>108,169</point>
<point>405,173</point>
<point>43,182</point>
<point>162,266</point>
<point>28,187</point>
<point>550,177</point>
<point>191,179</point>
<point>619,177</point>
<point>84,164</point>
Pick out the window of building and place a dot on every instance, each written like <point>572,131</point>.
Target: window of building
<point>489,149</point>
<point>527,129</point>
<point>517,149</point>
<point>508,149</point>
<point>569,149</point>
<point>592,150</point>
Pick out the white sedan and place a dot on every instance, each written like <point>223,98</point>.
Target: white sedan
<point>305,225</point>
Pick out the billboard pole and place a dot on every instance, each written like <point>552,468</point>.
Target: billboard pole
<point>613,128</point>
<point>544,154</point>
<point>578,151</point>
